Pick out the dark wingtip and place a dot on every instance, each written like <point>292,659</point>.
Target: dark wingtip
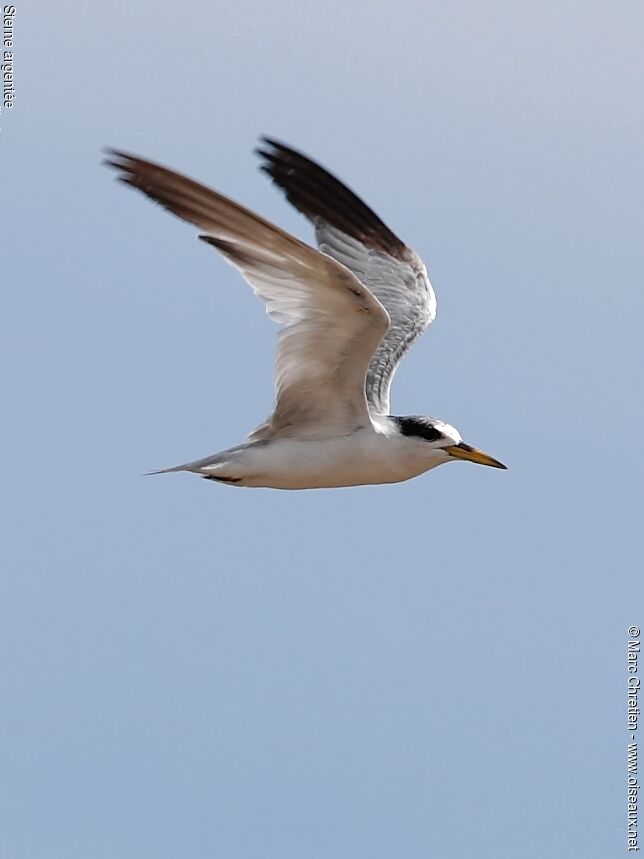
<point>267,156</point>
<point>114,157</point>
<point>319,194</point>
<point>209,240</point>
<point>271,141</point>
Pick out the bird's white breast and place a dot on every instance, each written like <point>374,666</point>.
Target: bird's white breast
<point>364,457</point>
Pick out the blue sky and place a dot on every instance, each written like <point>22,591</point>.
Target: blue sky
<point>435,668</point>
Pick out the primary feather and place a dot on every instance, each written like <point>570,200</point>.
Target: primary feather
<point>350,232</point>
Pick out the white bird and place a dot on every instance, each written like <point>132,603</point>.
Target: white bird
<point>349,310</point>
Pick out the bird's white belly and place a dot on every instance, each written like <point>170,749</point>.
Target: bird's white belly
<point>347,461</point>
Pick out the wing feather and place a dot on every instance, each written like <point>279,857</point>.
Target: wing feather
<point>350,232</point>
<point>332,323</point>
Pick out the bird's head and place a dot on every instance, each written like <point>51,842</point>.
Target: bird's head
<point>443,439</point>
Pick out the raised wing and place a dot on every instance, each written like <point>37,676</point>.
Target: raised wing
<point>332,323</point>
<point>350,232</point>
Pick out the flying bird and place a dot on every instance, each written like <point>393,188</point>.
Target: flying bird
<point>349,312</point>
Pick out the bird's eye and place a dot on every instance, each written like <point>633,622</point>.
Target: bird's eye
<point>420,428</point>
<point>430,433</point>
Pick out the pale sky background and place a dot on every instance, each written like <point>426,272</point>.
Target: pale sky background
<point>433,669</point>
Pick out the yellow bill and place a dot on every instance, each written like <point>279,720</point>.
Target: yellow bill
<point>472,454</point>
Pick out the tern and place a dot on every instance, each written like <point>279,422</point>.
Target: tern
<point>349,312</point>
